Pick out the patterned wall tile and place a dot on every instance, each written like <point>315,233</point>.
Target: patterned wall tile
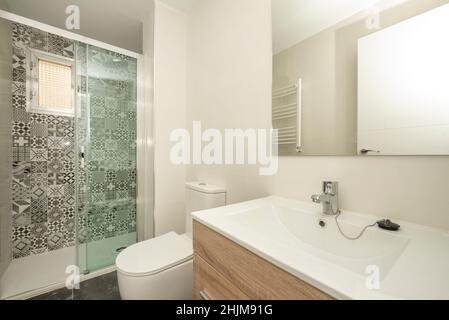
<point>38,167</point>
<point>56,214</point>
<point>39,40</point>
<point>69,177</point>
<point>18,102</point>
<point>55,44</point>
<point>39,129</point>
<point>21,141</point>
<point>21,219</point>
<point>21,154</point>
<point>55,166</point>
<point>18,61</point>
<point>55,130</point>
<point>20,128</point>
<point>38,237</point>
<point>19,75</point>
<point>55,143</point>
<point>43,149</point>
<point>39,154</point>
<point>39,210</point>
<point>68,48</point>
<point>56,191</point>
<point>21,115</point>
<point>69,212</point>
<point>38,118</point>
<point>19,90</point>
<point>55,240</point>
<point>56,154</point>
<point>20,192</point>
<point>38,142</point>
<point>21,243</point>
<point>44,153</point>
<point>21,247</point>
<point>21,36</point>
<point>39,180</point>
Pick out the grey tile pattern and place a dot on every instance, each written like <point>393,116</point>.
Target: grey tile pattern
<point>110,190</point>
<point>39,40</point>
<point>43,150</point>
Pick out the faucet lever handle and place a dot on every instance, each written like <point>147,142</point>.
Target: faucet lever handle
<point>330,187</point>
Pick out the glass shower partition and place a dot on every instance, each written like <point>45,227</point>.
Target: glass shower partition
<point>106,146</point>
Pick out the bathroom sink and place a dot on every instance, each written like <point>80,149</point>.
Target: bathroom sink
<point>375,248</point>
<point>411,263</point>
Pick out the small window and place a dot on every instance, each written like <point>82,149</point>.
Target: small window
<point>51,84</point>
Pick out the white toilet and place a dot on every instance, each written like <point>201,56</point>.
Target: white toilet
<point>162,268</point>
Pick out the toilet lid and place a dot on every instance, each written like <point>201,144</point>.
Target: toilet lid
<point>155,255</point>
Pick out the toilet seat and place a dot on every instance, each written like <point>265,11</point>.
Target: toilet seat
<point>156,255</point>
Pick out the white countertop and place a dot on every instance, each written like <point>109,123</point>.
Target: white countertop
<point>414,260</point>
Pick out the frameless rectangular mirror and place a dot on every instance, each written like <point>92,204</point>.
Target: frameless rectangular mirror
<point>403,96</point>
<point>360,77</point>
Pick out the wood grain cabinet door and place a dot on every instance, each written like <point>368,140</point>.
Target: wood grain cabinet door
<point>255,277</point>
<point>210,285</point>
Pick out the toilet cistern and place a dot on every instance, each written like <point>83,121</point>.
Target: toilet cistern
<point>329,198</point>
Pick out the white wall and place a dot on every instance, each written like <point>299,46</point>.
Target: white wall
<point>229,77</point>
<point>169,114</point>
<point>229,80</point>
<point>229,63</point>
<point>145,214</point>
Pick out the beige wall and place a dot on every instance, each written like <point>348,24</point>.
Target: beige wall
<point>229,77</point>
<point>3,5</point>
<point>313,60</point>
<point>169,114</point>
<point>5,144</point>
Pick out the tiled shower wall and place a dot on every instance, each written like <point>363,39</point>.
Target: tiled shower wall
<point>43,158</point>
<point>44,151</point>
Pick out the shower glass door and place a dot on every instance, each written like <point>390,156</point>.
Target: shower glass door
<point>106,143</point>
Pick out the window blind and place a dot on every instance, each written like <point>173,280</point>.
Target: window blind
<point>55,85</point>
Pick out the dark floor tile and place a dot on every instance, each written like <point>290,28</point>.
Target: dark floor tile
<point>104,287</point>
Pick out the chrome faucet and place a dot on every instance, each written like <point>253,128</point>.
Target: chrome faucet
<point>329,198</point>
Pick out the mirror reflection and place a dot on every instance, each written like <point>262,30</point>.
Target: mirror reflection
<point>360,77</point>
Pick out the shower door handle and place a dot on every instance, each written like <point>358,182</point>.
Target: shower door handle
<point>82,157</point>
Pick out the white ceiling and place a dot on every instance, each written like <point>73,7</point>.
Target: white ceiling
<point>297,20</point>
<point>117,22</point>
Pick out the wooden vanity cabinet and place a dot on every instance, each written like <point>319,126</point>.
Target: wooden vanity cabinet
<point>224,270</point>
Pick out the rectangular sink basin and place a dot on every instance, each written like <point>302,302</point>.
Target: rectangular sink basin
<point>375,248</point>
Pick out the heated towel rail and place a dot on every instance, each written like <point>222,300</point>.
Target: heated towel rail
<point>287,115</point>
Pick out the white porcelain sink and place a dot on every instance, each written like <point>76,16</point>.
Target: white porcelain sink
<point>412,262</point>
<point>375,248</point>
